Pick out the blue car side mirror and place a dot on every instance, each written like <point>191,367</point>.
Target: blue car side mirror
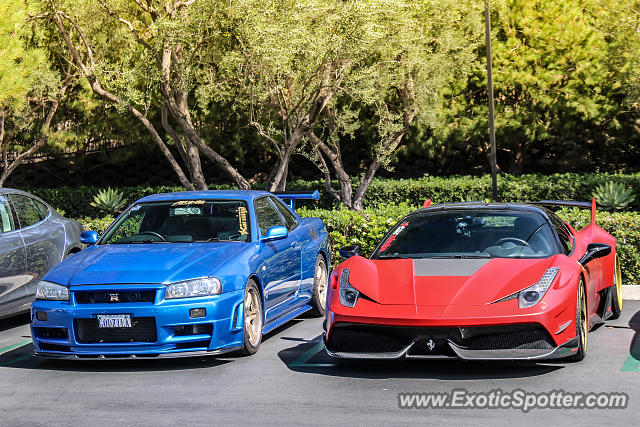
<point>89,237</point>
<point>275,233</point>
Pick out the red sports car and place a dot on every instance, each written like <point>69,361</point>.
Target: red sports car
<point>487,281</point>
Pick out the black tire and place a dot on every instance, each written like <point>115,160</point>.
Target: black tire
<point>616,291</point>
<point>251,332</point>
<point>319,296</point>
<point>582,324</point>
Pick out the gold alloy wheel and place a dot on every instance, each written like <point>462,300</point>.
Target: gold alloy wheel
<point>583,316</point>
<point>321,280</point>
<point>617,281</point>
<point>252,316</point>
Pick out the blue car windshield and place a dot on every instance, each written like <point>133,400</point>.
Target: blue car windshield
<point>470,233</point>
<point>182,221</point>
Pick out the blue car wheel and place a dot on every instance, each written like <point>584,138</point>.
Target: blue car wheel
<point>252,324</point>
<point>319,299</point>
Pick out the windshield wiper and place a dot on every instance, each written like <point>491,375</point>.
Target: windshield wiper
<point>136,242</point>
<point>392,256</point>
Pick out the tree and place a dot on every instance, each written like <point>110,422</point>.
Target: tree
<point>291,60</point>
<point>30,91</point>
<point>557,86</point>
<point>412,49</point>
<point>152,59</point>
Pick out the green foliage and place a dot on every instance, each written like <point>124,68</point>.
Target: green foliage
<point>363,228</point>
<point>96,224</point>
<point>367,227</point>
<point>385,192</point>
<point>625,227</point>
<point>109,201</point>
<point>613,196</point>
<point>557,80</point>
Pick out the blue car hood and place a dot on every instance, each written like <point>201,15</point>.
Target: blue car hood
<point>143,263</point>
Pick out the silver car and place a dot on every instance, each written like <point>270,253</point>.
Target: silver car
<point>33,239</point>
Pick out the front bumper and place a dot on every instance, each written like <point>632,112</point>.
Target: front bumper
<point>63,335</point>
<point>441,343</point>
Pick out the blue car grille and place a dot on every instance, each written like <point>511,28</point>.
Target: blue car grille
<point>111,297</point>
<point>143,329</point>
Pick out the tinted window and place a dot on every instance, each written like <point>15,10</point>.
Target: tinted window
<point>266,215</point>
<point>6,217</point>
<point>182,221</point>
<point>288,217</point>
<point>470,233</point>
<point>42,208</point>
<point>26,209</point>
<point>566,239</point>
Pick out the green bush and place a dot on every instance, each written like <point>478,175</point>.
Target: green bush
<point>613,196</point>
<point>367,227</point>
<point>385,192</point>
<point>96,224</point>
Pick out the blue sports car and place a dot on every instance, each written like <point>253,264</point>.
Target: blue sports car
<point>184,274</point>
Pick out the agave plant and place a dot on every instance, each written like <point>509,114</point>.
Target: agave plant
<point>613,196</point>
<point>109,201</point>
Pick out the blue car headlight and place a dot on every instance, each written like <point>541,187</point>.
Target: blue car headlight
<point>204,286</point>
<point>52,291</point>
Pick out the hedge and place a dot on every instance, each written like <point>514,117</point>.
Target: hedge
<point>567,186</point>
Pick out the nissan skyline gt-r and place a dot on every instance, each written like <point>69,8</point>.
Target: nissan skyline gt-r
<point>33,238</point>
<point>489,281</point>
<point>184,274</point>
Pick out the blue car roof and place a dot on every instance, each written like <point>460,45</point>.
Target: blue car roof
<point>210,194</point>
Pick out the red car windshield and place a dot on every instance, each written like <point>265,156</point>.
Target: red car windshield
<point>470,234</point>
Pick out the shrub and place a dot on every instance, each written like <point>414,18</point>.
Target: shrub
<point>109,201</point>
<point>566,186</point>
<point>96,224</point>
<point>613,196</point>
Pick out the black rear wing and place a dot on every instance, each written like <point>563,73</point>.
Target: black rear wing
<point>571,204</point>
<point>292,196</point>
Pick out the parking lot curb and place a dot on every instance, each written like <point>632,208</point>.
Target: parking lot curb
<point>631,292</point>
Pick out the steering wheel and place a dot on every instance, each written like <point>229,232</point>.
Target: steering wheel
<point>153,233</point>
<point>512,239</point>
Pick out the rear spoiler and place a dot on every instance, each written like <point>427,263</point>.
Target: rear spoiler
<point>563,203</point>
<point>292,196</point>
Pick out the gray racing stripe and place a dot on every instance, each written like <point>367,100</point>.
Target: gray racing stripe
<point>447,267</point>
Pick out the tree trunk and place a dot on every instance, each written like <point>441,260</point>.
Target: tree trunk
<point>98,90</point>
<point>8,168</point>
<point>346,190</point>
<point>180,112</point>
<point>517,160</point>
<point>365,182</point>
<point>278,176</point>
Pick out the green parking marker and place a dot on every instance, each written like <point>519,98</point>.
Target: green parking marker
<point>7,349</point>
<point>632,364</point>
<point>308,355</point>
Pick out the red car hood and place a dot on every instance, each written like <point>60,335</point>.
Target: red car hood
<point>444,281</point>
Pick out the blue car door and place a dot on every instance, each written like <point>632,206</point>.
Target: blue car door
<point>12,261</point>
<point>281,265</point>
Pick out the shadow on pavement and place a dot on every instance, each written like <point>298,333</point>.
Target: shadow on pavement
<point>634,347</point>
<point>310,357</point>
<point>14,322</point>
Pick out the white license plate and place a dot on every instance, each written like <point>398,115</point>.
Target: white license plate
<point>114,321</point>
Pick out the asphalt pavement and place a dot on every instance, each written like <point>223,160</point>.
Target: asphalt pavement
<point>291,381</point>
